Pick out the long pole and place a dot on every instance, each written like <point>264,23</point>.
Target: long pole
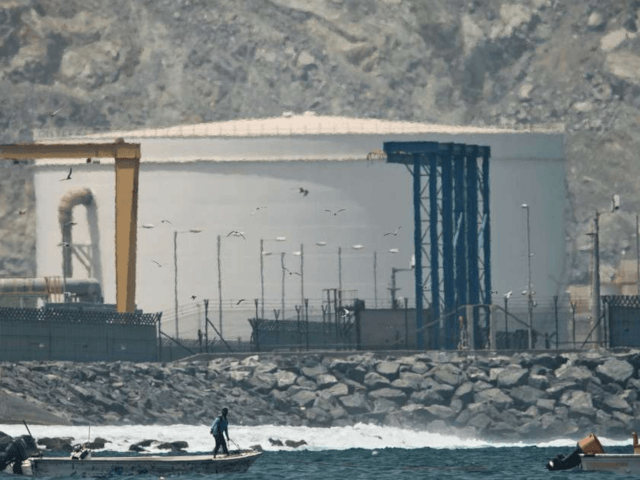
<point>638,254</point>
<point>595,314</point>
<point>175,277</point>
<point>340,271</point>
<point>529,292</point>
<point>219,291</point>
<point>283,270</point>
<point>375,279</point>
<point>301,275</point>
<point>262,278</point>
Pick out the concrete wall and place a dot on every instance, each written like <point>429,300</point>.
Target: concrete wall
<point>220,196</point>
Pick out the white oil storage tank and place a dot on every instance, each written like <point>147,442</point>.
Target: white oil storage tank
<point>343,217</point>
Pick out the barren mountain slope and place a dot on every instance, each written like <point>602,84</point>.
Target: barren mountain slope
<point>125,64</point>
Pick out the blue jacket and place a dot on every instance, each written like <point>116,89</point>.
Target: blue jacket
<point>219,426</point>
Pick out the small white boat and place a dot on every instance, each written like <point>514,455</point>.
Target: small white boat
<point>156,465</point>
<point>590,456</point>
<point>21,456</point>
<point>611,462</point>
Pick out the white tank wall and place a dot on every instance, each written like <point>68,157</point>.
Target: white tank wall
<point>220,196</point>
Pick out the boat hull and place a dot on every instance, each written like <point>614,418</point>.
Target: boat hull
<point>141,465</point>
<point>623,463</point>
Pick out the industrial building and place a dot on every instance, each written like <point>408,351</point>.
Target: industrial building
<point>314,206</point>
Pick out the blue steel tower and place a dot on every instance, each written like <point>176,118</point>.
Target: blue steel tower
<point>452,233</point>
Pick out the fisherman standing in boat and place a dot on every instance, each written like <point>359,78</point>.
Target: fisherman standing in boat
<point>218,428</point>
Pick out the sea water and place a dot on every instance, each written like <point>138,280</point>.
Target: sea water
<point>357,452</point>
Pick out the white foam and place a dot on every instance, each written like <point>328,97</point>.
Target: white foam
<point>364,436</point>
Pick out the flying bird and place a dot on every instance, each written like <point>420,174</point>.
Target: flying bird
<point>336,212</point>
<point>302,190</point>
<point>21,212</point>
<point>256,209</point>
<point>147,225</point>
<point>291,273</point>
<point>68,176</point>
<point>157,263</point>
<point>393,233</point>
<point>615,202</point>
<point>321,243</point>
<point>193,297</point>
<point>65,244</point>
<point>240,301</point>
<point>357,246</point>
<point>236,233</point>
<point>165,221</point>
<point>345,312</point>
<point>393,250</point>
<point>71,223</point>
<point>52,114</point>
<point>508,294</point>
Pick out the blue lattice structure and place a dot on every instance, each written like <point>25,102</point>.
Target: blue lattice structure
<point>452,236</point>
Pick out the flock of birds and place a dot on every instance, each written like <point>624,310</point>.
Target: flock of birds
<point>233,233</point>
<point>239,234</point>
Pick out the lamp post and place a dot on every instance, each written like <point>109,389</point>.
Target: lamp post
<point>262,254</point>
<point>595,280</point>
<point>393,288</point>
<point>529,292</point>
<point>175,269</point>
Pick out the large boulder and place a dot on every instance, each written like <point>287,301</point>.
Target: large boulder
<point>525,395</point>
<point>615,370</point>
<point>374,380</point>
<point>284,379</point>
<point>578,402</point>
<point>355,403</point>
<point>448,374</point>
<point>512,377</point>
<point>392,394</point>
<point>572,373</point>
<point>388,369</point>
<point>494,396</point>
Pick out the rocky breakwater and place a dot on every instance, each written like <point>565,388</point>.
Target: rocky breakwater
<point>523,396</point>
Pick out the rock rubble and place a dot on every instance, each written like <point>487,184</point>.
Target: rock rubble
<point>523,396</point>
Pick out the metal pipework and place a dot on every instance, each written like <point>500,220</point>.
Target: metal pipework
<point>86,289</point>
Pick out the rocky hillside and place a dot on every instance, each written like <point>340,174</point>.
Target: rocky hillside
<point>70,64</point>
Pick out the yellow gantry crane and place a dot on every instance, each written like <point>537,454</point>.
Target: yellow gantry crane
<point>127,160</point>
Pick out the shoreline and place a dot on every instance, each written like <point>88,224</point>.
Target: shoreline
<point>534,396</point>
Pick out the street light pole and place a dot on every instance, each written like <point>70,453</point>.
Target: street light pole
<point>529,292</point>
<point>261,278</point>
<point>175,277</point>
<point>175,270</point>
<point>262,254</point>
<point>595,292</point>
<point>283,270</point>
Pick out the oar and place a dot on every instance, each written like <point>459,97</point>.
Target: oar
<point>25,424</point>
<point>239,449</point>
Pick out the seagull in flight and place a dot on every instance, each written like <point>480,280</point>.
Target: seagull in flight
<point>240,301</point>
<point>302,190</point>
<point>236,233</point>
<point>508,294</point>
<point>165,221</point>
<point>291,273</point>
<point>68,176</point>
<point>157,263</point>
<point>147,225</point>
<point>336,212</point>
<point>65,244</point>
<point>393,233</point>
<point>53,114</point>
<point>193,297</point>
<point>71,223</point>
<point>256,209</point>
<point>21,212</point>
<point>393,250</point>
<point>345,312</point>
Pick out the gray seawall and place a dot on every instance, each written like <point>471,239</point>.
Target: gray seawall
<point>521,396</point>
